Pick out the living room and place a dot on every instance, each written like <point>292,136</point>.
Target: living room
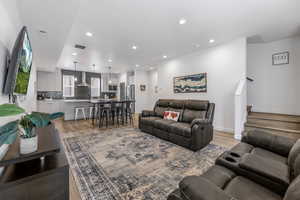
<point>149,100</point>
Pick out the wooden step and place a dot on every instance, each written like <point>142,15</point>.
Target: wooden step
<point>274,117</point>
<point>280,132</point>
<point>272,128</point>
<point>275,124</point>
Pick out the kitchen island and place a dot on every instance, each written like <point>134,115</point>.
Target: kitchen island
<point>64,105</point>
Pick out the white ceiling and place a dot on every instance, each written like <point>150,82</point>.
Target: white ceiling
<point>152,25</point>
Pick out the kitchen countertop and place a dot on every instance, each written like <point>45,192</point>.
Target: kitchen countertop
<point>70,100</point>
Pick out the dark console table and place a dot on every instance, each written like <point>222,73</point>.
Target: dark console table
<point>43,174</point>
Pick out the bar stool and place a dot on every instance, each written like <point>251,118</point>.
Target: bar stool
<point>104,111</point>
<point>77,110</point>
<point>115,112</point>
<point>128,111</point>
<point>93,111</point>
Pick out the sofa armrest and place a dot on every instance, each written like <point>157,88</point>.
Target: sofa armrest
<point>196,187</point>
<point>200,122</point>
<point>148,113</point>
<point>275,143</point>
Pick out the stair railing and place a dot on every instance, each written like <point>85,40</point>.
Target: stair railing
<point>240,108</point>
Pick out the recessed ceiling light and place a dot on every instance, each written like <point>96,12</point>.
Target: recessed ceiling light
<point>211,41</point>
<point>182,21</point>
<point>134,47</point>
<point>110,60</point>
<point>137,65</point>
<point>74,54</point>
<point>89,34</point>
<point>165,56</point>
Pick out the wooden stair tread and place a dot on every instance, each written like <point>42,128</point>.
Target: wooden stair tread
<point>255,125</point>
<point>274,117</point>
<point>275,124</point>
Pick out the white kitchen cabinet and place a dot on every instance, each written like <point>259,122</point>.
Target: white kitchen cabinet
<point>49,106</point>
<point>49,81</point>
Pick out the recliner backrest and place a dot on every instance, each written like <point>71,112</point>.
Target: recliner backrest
<point>194,109</point>
<point>177,106</point>
<point>161,106</point>
<point>275,143</point>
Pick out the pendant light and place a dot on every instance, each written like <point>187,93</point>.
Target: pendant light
<point>110,81</point>
<point>75,63</point>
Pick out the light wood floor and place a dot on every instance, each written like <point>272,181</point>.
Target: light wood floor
<point>67,129</point>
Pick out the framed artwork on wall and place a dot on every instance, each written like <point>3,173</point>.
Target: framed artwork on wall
<point>143,87</point>
<point>281,58</point>
<point>195,83</point>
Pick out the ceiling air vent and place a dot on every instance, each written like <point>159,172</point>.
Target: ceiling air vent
<point>78,46</point>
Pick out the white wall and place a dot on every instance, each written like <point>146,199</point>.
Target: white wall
<point>276,89</point>
<point>225,66</point>
<point>9,29</point>
<point>141,97</point>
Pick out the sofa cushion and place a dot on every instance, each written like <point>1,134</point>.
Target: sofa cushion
<point>271,169</point>
<point>148,120</point>
<point>219,175</point>
<point>197,105</point>
<point>171,115</point>
<point>180,128</point>
<point>163,102</point>
<point>269,155</point>
<point>163,124</point>
<point>177,104</point>
<point>159,111</point>
<point>177,110</point>
<point>245,189</point>
<point>189,115</point>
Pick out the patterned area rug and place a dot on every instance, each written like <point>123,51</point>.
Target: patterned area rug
<point>126,163</point>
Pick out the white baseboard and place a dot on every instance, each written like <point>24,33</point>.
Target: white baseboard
<point>222,129</point>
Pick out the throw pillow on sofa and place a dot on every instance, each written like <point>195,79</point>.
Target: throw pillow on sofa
<point>171,115</point>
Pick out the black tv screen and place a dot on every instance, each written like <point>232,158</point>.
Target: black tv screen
<point>18,74</point>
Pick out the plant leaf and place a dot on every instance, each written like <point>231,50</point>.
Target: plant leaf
<point>11,126</point>
<point>8,133</point>
<point>10,109</point>
<point>56,115</point>
<point>11,138</point>
<point>39,119</point>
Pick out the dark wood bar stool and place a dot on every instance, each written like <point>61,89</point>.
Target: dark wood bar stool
<point>115,112</point>
<point>104,113</point>
<point>128,112</point>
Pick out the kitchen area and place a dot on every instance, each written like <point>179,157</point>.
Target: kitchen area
<point>65,90</point>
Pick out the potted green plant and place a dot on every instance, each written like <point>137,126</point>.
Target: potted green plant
<point>26,126</point>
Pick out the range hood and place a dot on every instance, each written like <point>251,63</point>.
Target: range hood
<point>83,81</point>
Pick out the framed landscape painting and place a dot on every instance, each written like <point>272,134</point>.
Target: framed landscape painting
<point>191,84</point>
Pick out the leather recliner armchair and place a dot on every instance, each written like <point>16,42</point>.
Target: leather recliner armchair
<point>262,167</point>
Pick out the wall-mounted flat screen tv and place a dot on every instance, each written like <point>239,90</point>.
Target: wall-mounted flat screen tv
<point>18,73</point>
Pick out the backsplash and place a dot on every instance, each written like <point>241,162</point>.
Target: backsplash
<point>50,94</point>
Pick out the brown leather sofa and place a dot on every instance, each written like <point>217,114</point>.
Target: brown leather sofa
<point>194,128</point>
<point>262,167</point>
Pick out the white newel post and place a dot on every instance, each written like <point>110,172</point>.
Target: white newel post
<point>240,109</point>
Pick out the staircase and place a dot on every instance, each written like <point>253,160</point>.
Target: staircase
<point>279,124</point>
